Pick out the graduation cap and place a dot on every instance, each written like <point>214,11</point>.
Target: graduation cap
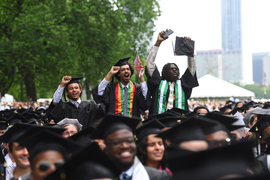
<point>45,140</point>
<point>266,105</point>
<point>183,47</point>
<point>212,164</point>
<point>3,125</point>
<point>190,130</point>
<point>178,111</point>
<point>69,121</point>
<point>248,105</point>
<point>221,117</point>
<point>74,80</point>
<point>14,132</point>
<point>89,163</point>
<point>6,113</point>
<point>122,62</point>
<point>33,117</point>
<point>17,118</point>
<point>240,110</point>
<point>151,127</point>
<point>114,122</point>
<point>225,108</point>
<point>83,137</point>
<point>158,116</point>
<point>170,121</point>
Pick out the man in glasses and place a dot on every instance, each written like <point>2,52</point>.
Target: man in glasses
<point>117,132</point>
<point>47,152</point>
<point>72,127</point>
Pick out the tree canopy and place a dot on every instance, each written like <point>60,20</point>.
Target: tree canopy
<point>43,40</point>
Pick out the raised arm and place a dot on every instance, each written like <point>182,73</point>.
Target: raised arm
<point>191,61</point>
<point>150,62</point>
<point>58,93</point>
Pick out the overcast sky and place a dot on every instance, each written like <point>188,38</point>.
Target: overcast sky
<point>201,20</point>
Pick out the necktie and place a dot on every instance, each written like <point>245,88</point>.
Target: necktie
<point>125,101</point>
<point>77,104</point>
<point>125,176</point>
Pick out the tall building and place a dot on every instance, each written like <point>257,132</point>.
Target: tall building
<point>261,68</point>
<point>224,65</point>
<point>231,25</point>
<point>227,63</point>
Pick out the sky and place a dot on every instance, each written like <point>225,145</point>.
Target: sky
<point>201,20</point>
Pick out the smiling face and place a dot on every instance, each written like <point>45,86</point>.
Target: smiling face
<point>155,149</point>
<point>173,73</point>
<point>20,155</point>
<point>74,91</point>
<point>124,152</point>
<point>124,74</point>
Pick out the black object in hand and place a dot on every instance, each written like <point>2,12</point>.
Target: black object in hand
<point>167,33</point>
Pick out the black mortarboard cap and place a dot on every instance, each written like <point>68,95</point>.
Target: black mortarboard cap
<point>122,62</point>
<point>248,105</point>
<point>187,131</point>
<point>225,108</point>
<point>46,140</point>
<point>113,122</point>
<point>178,111</point>
<point>212,164</point>
<point>74,80</point>
<point>33,117</point>
<point>6,113</point>
<point>170,121</point>
<point>80,166</point>
<point>266,105</point>
<point>14,132</point>
<point>151,127</point>
<point>16,118</point>
<point>221,117</point>
<point>83,137</point>
<point>21,111</point>
<point>235,110</point>
<point>183,47</point>
<point>158,116</point>
<point>3,125</point>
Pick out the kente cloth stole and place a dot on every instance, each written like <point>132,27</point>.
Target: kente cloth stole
<point>119,99</point>
<point>179,96</point>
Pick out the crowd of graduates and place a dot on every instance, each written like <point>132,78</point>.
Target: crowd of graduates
<point>143,131</point>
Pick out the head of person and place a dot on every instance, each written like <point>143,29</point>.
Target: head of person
<point>3,127</point>
<point>239,104</point>
<point>125,72</point>
<point>170,72</point>
<point>72,127</point>
<point>201,110</point>
<point>74,89</point>
<point>120,145</point>
<point>47,152</point>
<point>150,149</point>
<point>20,155</point>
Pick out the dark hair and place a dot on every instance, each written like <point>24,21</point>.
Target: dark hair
<point>131,70</point>
<point>10,145</point>
<point>200,107</point>
<point>165,70</point>
<point>142,152</point>
<point>66,90</point>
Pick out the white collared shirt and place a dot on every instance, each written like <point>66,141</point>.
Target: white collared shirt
<point>57,96</point>
<point>129,172</point>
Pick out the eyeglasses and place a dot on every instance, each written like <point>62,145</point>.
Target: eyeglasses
<point>45,165</point>
<point>225,142</point>
<point>117,142</point>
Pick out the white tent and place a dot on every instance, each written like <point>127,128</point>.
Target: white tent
<point>7,98</point>
<point>212,87</point>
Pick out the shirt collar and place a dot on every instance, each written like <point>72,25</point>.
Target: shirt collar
<point>73,102</point>
<point>129,172</point>
<point>124,85</point>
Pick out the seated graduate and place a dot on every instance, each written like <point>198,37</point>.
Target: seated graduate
<point>151,149</point>
<point>117,132</point>
<point>87,112</point>
<point>72,127</point>
<point>125,97</point>
<point>176,90</point>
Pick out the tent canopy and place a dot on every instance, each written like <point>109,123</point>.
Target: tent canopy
<point>210,86</point>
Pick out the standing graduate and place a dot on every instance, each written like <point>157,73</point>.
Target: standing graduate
<point>87,112</point>
<point>168,90</point>
<point>124,96</point>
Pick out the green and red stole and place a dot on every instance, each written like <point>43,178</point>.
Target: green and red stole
<point>119,98</point>
<point>179,96</point>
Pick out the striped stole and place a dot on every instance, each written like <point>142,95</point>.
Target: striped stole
<point>179,96</point>
<point>119,98</point>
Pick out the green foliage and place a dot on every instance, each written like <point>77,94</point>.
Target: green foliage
<point>47,39</point>
<point>259,91</point>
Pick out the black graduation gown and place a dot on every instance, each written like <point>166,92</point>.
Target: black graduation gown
<point>187,81</point>
<point>87,113</point>
<point>108,99</point>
